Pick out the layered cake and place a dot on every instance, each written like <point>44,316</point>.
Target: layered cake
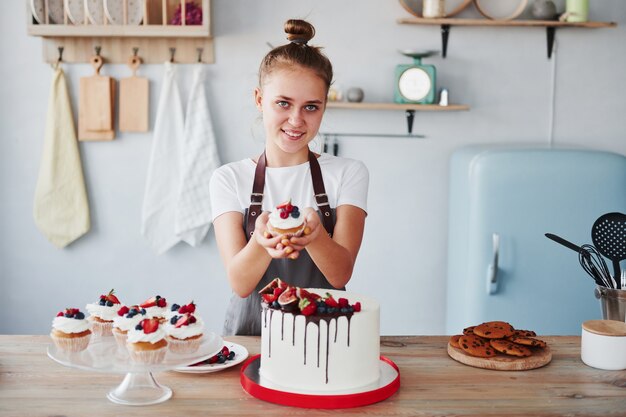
<point>318,340</point>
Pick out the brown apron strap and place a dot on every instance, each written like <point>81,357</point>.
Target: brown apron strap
<point>320,194</point>
<point>256,198</point>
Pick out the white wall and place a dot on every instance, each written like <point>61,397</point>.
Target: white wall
<point>502,73</point>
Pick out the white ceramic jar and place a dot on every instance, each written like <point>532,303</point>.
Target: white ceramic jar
<point>603,344</point>
<point>434,8</point>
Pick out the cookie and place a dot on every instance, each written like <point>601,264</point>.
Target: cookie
<point>494,330</point>
<point>454,341</point>
<point>476,346</point>
<point>469,330</point>
<point>528,341</point>
<point>524,333</point>
<point>509,348</point>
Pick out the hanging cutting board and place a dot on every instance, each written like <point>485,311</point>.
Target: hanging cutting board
<point>95,105</point>
<point>134,100</point>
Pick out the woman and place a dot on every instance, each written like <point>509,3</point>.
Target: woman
<point>293,85</point>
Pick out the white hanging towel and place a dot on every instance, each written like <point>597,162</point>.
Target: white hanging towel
<point>199,160</point>
<point>164,167</point>
<point>61,208</point>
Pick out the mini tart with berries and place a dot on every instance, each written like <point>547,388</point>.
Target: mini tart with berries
<point>184,332</point>
<point>70,330</point>
<point>156,307</point>
<point>286,220</point>
<point>127,318</point>
<point>146,342</point>
<point>103,313</point>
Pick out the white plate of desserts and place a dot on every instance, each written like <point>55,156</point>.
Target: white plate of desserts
<point>204,367</point>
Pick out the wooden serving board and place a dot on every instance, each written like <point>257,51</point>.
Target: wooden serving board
<point>501,362</point>
<point>134,100</point>
<point>95,105</point>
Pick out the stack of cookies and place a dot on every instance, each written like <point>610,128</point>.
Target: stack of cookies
<point>493,337</point>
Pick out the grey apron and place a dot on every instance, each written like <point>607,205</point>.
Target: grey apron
<point>243,315</point>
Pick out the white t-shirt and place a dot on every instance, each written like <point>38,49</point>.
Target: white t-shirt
<point>346,182</point>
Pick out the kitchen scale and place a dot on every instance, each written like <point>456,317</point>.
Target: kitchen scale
<point>416,82</point>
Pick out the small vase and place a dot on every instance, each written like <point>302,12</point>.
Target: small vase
<point>577,10</point>
<point>543,10</point>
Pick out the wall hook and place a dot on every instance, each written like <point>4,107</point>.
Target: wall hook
<point>135,51</point>
<point>199,50</point>
<point>97,49</point>
<point>172,53</point>
<point>60,55</point>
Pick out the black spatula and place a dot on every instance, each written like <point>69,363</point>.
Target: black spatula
<point>608,234</point>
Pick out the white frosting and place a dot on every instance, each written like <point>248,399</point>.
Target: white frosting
<point>156,311</point>
<point>103,312</point>
<point>287,223</point>
<point>185,332</point>
<point>70,325</point>
<point>135,336</point>
<point>124,323</point>
<point>349,366</point>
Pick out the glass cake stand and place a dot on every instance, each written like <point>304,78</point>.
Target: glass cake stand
<point>139,386</point>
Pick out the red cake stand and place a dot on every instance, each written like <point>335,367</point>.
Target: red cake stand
<point>254,385</point>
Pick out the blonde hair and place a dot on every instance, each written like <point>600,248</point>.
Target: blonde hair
<point>297,52</point>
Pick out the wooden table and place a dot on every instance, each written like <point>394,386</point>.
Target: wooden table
<point>432,384</point>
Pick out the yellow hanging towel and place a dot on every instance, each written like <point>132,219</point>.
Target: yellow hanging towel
<point>61,209</point>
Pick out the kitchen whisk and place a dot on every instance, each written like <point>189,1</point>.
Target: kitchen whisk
<point>593,263</point>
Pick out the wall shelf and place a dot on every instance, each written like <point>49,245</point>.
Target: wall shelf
<point>550,25</point>
<point>409,109</point>
<point>155,37</point>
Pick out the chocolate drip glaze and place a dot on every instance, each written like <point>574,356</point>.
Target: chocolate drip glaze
<point>328,318</point>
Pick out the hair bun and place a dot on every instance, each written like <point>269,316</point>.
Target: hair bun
<point>299,31</point>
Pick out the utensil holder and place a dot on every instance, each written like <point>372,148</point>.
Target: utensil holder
<point>612,303</point>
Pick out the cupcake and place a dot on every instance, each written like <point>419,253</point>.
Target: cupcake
<point>103,313</point>
<point>286,220</point>
<point>146,342</point>
<point>184,330</point>
<point>70,330</point>
<point>156,307</point>
<point>127,318</point>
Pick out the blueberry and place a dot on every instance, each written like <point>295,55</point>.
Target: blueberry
<point>143,311</point>
<point>332,310</point>
<point>79,316</point>
<point>158,297</point>
<point>221,359</point>
<point>321,310</point>
<point>175,307</point>
<point>275,304</point>
<point>68,315</point>
<point>350,309</point>
<point>231,355</point>
<point>343,310</point>
<point>102,302</point>
<point>295,214</point>
<point>174,319</point>
<point>109,304</point>
<point>134,311</point>
<point>131,314</point>
<point>138,327</point>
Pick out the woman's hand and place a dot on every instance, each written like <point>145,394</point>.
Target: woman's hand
<point>274,245</point>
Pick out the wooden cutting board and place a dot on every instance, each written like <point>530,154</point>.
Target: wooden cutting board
<point>134,100</point>
<point>501,362</point>
<point>95,105</point>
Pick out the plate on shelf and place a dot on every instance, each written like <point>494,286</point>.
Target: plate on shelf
<point>241,353</point>
<point>114,11</point>
<point>55,11</point>
<point>94,9</point>
<point>453,7</point>
<point>75,11</point>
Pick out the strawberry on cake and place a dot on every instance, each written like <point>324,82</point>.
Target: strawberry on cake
<point>103,313</point>
<point>184,330</point>
<point>317,339</point>
<point>146,342</point>
<point>155,307</point>
<point>286,220</point>
<point>70,330</point>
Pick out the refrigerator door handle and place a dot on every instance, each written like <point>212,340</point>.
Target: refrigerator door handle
<point>492,268</point>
